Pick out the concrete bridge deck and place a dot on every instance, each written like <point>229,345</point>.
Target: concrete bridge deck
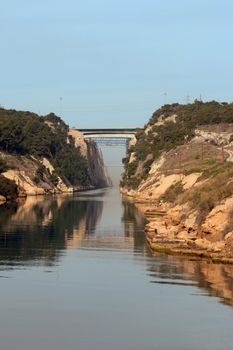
<point>110,136</point>
<point>109,131</point>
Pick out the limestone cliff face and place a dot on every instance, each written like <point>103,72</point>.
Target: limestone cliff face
<point>181,166</point>
<point>89,149</point>
<point>98,173</point>
<point>40,155</point>
<point>79,141</point>
<point>23,170</point>
<point>35,175</point>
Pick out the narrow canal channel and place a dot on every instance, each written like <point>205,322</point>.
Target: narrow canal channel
<point>76,273</point>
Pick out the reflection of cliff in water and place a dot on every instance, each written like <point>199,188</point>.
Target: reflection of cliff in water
<point>39,230</point>
<point>214,279</point>
<point>41,227</point>
<point>134,222</point>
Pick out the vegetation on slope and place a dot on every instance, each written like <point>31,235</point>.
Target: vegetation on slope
<point>157,137</point>
<point>8,188</point>
<point>26,133</point>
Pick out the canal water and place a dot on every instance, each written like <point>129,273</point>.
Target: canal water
<point>76,273</point>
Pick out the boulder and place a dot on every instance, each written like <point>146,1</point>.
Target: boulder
<point>183,235</point>
<point>203,243</point>
<point>218,246</point>
<point>218,218</point>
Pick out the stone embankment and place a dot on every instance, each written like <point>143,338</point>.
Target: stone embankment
<point>167,233</point>
<point>176,230</point>
<point>188,197</point>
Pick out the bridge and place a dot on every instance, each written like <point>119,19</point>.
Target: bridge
<point>110,137</point>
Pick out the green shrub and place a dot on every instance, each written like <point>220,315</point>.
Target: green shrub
<point>193,170</point>
<point>3,166</point>
<point>39,175</point>
<point>217,169</point>
<point>53,178</point>
<point>71,165</point>
<point>8,188</point>
<point>132,168</point>
<point>210,161</point>
<point>25,133</point>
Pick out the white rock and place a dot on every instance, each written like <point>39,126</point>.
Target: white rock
<point>228,235</point>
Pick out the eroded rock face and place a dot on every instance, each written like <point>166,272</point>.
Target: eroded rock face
<point>166,231</point>
<point>23,170</point>
<point>191,175</point>
<point>166,119</point>
<point>219,138</point>
<point>89,149</point>
<point>79,141</point>
<point>229,235</point>
<point>218,219</point>
<point>24,180</point>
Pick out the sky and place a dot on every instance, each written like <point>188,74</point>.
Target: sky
<point>108,63</point>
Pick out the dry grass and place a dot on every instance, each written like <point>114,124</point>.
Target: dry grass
<point>218,128</point>
<point>193,157</point>
<point>205,197</point>
<point>173,192</point>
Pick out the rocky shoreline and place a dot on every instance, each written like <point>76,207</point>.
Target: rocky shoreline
<point>22,195</point>
<point>169,231</point>
<point>180,171</point>
<point>166,233</point>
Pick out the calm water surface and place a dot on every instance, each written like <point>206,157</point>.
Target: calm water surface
<point>76,273</point>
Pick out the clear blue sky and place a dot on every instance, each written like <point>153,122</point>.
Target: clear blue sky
<point>112,61</point>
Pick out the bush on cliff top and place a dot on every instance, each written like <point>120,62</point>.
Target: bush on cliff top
<point>8,188</point>
<point>3,166</point>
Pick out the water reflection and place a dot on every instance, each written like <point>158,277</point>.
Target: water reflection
<point>214,280</point>
<point>40,231</point>
<point>41,227</point>
<point>134,222</point>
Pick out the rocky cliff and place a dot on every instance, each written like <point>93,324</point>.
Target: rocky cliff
<point>89,149</point>
<point>181,166</point>
<point>40,155</point>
